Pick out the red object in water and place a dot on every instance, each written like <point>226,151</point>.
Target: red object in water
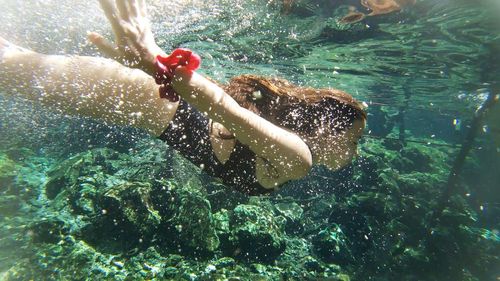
<point>165,70</point>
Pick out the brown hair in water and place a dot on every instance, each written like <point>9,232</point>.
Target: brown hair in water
<point>302,110</point>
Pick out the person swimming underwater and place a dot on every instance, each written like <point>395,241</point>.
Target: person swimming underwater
<point>255,133</point>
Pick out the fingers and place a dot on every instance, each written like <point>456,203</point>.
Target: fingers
<point>142,8</point>
<point>109,10</point>
<point>133,7</point>
<point>122,9</point>
<point>130,9</point>
<point>104,46</point>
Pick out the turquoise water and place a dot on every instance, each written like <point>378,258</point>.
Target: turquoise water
<point>85,200</point>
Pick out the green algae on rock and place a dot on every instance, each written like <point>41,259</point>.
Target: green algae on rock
<point>8,170</point>
<point>190,220</point>
<point>92,163</point>
<point>331,245</point>
<point>254,234</point>
<point>128,207</point>
<point>113,226</point>
<point>293,213</point>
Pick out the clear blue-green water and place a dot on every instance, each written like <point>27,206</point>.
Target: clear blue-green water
<point>83,200</point>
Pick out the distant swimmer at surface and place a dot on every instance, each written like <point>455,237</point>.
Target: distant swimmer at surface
<point>255,133</point>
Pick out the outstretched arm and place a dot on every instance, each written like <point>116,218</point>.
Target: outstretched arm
<point>85,86</point>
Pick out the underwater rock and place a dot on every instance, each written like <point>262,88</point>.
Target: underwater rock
<point>341,277</point>
<point>292,212</point>
<point>258,268</point>
<point>374,156</point>
<point>367,219</point>
<point>388,183</point>
<point>299,264</point>
<point>152,159</point>
<point>342,33</point>
<point>8,170</point>
<point>19,154</point>
<point>9,204</point>
<point>457,213</point>
<point>419,184</point>
<point>82,198</point>
<point>311,264</point>
<point>126,201</point>
<point>460,251</point>
<point>224,262</point>
<point>146,265</point>
<point>413,258</point>
<point>222,196</point>
<point>255,234</point>
<point>7,166</point>
<point>30,178</point>
<point>413,159</point>
<point>221,221</point>
<point>330,244</point>
<point>393,144</point>
<point>139,214</point>
<point>50,230</point>
<point>188,218</point>
<point>129,208</point>
<point>369,170</point>
<point>90,163</point>
<point>75,260</point>
<point>375,204</point>
<point>320,208</point>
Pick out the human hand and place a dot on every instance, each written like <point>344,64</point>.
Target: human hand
<point>134,42</point>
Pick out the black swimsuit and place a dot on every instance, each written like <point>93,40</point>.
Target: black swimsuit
<point>189,134</point>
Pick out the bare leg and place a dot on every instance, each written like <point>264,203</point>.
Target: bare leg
<point>85,86</point>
